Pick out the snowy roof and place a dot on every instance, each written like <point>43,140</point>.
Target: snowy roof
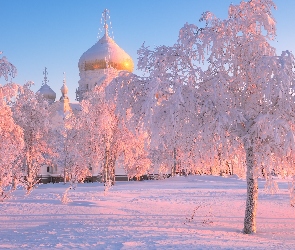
<point>105,52</point>
<point>75,106</point>
<point>47,92</point>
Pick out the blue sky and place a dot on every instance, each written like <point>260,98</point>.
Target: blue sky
<point>55,33</point>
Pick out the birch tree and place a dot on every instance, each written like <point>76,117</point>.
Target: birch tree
<point>67,155</point>
<point>11,135</point>
<point>238,94</point>
<point>107,141</point>
<point>7,69</point>
<point>30,112</point>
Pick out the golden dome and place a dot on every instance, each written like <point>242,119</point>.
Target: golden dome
<point>105,53</point>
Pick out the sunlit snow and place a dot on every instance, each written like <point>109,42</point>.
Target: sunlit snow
<point>195,212</point>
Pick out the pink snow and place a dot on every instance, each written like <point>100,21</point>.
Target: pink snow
<point>195,212</point>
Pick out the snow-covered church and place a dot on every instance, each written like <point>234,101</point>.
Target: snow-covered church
<point>92,66</point>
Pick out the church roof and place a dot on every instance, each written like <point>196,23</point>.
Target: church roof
<point>47,92</point>
<point>105,53</point>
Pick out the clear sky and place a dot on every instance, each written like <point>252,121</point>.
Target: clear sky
<point>55,33</point>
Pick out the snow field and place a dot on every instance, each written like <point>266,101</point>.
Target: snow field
<point>195,212</point>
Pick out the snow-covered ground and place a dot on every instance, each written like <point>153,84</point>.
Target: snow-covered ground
<point>195,212</point>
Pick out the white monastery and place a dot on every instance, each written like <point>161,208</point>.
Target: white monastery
<point>93,65</point>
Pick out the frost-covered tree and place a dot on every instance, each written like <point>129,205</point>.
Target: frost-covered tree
<point>230,98</point>
<point>11,136</point>
<point>107,141</point>
<point>6,68</point>
<point>165,107</point>
<point>133,151</point>
<point>30,112</point>
<point>67,155</point>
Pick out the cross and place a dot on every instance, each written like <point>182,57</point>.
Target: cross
<point>64,80</point>
<point>45,76</point>
<point>105,17</point>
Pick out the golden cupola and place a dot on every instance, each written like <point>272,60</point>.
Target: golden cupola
<point>105,53</point>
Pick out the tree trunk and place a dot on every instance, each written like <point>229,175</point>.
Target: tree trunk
<point>106,167</point>
<point>252,194</point>
<point>112,170</point>
<point>65,175</point>
<point>108,171</point>
<point>14,183</point>
<point>173,172</point>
